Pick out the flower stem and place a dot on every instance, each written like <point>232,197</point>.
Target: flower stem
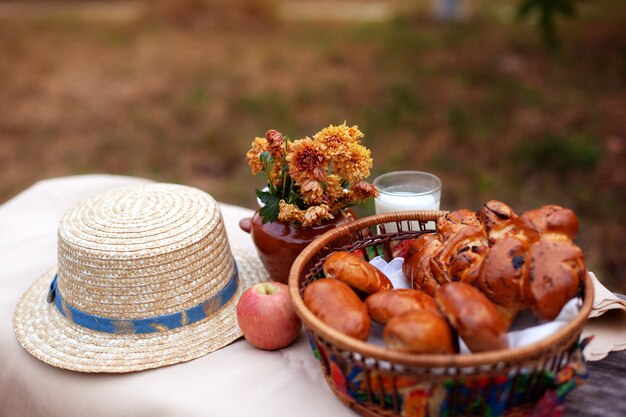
<point>285,177</point>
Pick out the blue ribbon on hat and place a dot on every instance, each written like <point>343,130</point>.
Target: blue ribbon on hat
<point>147,325</point>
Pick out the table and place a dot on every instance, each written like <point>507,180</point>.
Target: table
<point>237,380</point>
<point>603,393</point>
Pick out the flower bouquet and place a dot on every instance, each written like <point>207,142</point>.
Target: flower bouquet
<point>311,180</point>
<point>310,184</point>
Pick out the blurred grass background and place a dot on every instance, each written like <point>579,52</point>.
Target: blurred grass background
<point>174,90</point>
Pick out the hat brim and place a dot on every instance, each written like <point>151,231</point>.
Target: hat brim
<point>45,333</point>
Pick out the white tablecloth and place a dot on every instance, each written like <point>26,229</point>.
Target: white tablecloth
<point>237,380</point>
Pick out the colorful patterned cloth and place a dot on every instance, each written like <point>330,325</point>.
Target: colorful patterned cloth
<point>542,392</point>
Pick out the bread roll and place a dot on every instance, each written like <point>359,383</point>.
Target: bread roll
<point>417,245</point>
<point>557,265</point>
<point>503,271</point>
<point>516,261</point>
<point>383,305</point>
<point>416,266</point>
<point>419,332</point>
<point>338,306</point>
<point>460,256</point>
<point>356,272</point>
<point>553,219</point>
<point>507,314</point>
<point>496,217</point>
<point>454,221</point>
<point>557,269</point>
<point>473,316</point>
<point>499,221</point>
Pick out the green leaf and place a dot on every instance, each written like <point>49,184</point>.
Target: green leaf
<point>269,212</point>
<point>294,198</point>
<point>266,158</point>
<point>267,161</point>
<point>263,195</point>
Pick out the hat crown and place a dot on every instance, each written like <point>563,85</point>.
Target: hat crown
<point>143,251</point>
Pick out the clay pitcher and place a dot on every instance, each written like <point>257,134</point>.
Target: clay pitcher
<point>278,244</point>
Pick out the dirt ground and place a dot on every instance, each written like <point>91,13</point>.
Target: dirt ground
<point>177,91</point>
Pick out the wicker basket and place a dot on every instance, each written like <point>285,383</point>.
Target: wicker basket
<point>375,381</point>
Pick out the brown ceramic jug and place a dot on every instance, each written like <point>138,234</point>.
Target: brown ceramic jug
<point>279,244</point>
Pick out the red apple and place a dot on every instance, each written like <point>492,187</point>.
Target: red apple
<point>266,316</point>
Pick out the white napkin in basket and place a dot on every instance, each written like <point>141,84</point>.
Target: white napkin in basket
<point>603,299</point>
<point>607,323</point>
<point>393,270</point>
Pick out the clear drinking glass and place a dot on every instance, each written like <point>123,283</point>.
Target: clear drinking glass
<point>407,190</point>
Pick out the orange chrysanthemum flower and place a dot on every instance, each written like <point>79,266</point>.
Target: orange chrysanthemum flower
<point>334,140</point>
<point>316,214</point>
<point>289,213</point>
<point>361,191</point>
<point>275,144</point>
<point>334,191</point>
<point>306,161</point>
<point>259,145</point>
<point>312,192</point>
<point>354,164</point>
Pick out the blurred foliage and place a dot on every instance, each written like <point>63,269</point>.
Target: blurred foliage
<point>560,154</point>
<point>546,12</point>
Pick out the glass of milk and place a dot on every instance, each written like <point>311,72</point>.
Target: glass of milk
<point>407,190</point>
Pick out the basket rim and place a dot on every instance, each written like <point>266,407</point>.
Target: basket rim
<point>342,341</point>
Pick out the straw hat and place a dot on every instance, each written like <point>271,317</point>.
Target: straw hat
<point>145,278</point>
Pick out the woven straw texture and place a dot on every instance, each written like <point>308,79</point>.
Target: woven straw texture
<point>132,253</point>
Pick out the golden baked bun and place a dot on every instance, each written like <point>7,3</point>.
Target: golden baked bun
<point>419,332</point>
<point>416,266</point>
<point>454,221</point>
<point>356,272</point>
<point>507,314</point>
<point>495,216</point>
<point>413,246</point>
<point>383,305</point>
<point>553,219</point>
<point>557,269</point>
<point>503,270</point>
<point>518,262</point>
<point>460,256</point>
<point>557,265</point>
<point>338,306</point>
<point>499,221</point>
<point>473,316</point>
